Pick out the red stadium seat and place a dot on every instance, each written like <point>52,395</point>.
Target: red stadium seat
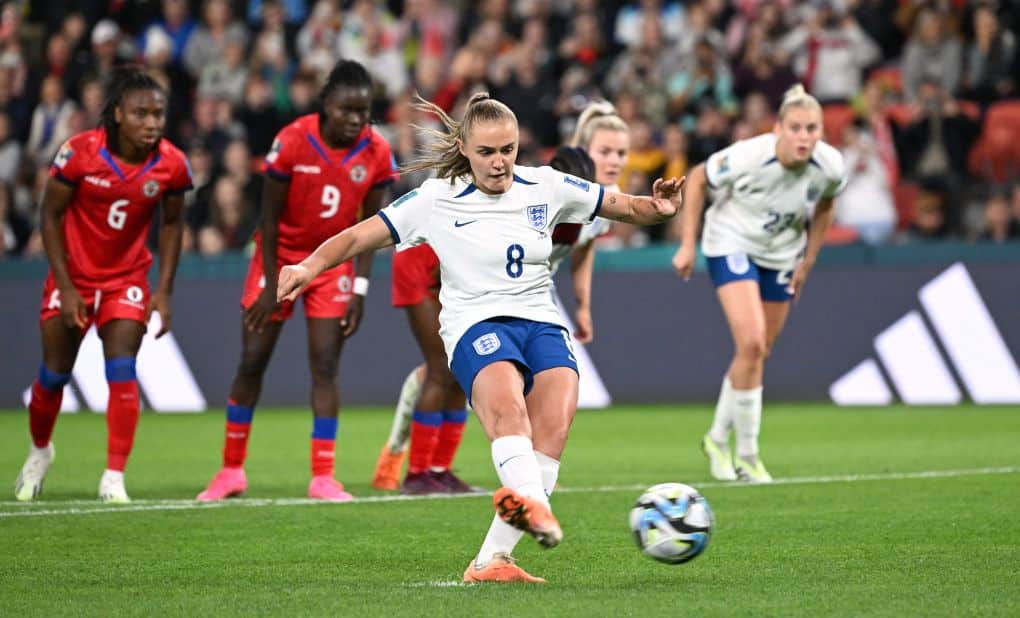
<point>905,197</point>
<point>835,118</point>
<point>890,77</point>
<point>996,155</point>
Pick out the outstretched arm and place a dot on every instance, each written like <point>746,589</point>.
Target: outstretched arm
<point>369,235</point>
<point>664,203</point>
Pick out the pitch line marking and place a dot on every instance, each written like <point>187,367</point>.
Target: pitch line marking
<point>91,507</point>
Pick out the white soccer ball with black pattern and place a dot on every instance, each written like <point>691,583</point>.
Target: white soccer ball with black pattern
<point>672,523</point>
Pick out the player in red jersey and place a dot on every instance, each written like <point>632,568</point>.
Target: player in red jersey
<point>98,203</point>
<point>324,173</point>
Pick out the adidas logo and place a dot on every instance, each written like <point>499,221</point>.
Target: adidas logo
<point>927,360</point>
<point>163,376</point>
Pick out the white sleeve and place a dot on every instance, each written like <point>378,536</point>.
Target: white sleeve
<point>407,217</point>
<point>837,178</point>
<point>575,200</point>
<point>724,166</point>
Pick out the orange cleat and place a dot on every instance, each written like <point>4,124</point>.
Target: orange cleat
<point>387,470</point>
<point>529,515</point>
<point>502,568</point>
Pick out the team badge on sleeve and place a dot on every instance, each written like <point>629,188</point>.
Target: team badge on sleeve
<point>538,215</point>
<point>151,188</point>
<point>274,151</point>
<point>63,156</point>
<point>723,165</point>
<point>358,173</point>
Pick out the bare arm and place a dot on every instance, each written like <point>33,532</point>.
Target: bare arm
<point>57,197</point>
<point>694,204</point>
<point>170,233</point>
<point>582,263</point>
<point>820,223</point>
<point>274,200</point>
<point>369,235</point>
<point>362,266</point>
<point>664,203</point>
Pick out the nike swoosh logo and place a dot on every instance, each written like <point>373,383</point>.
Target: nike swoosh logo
<point>459,224</point>
<point>510,459</point>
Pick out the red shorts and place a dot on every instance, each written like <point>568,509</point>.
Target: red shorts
<point>415,276</point>
<point>325,297</point>
<point>121,298</point>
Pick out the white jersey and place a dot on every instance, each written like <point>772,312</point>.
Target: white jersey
<point>759,207</point>
<point>494,250</point>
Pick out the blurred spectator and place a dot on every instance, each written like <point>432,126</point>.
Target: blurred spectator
<point>938,138</point>
<point>231,219</point>
<point>706,79</point>
<point>697,29</point>
<point>196,201</point>
<point>866,204</point>
<point>92,99</point>
<point>258,115</point>
<point>931,53</point>
<point>999,226</point>
<point>225,77</point>
<point>50,122</point>
<point>271,55</point>
<point>630,21</point>
<point>931,221</point>
<point>10,153</point>
<point>294,12</point>
<point>989,59</point>
<point>375,47</point>
<point>237,166</point>
<point>210,40</point>
<point>641,70</point>
<point>176,23</point>
<point>532,95</point>
<point>830,52</point>
<point>585,45</point>
<point>316,42</point>
<point>757,113</point>
<point>759,70</point>
<point>710,134</point>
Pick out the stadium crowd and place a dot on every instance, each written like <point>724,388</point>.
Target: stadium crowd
<point>923,98</point>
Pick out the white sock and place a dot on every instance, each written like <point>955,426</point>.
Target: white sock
<point>400,432</point>
<point>550,471</point>
<point>723,420</point>
<point>747,419</point>
<point>113,475</point>
<point>520,470</point>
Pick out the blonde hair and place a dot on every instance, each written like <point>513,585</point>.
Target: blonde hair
<point>443,154</point>
<point>598,115</point>
<point>797,97</point>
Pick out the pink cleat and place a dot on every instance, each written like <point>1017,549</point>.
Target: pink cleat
<point>227,483</point>
<point>329,489</point>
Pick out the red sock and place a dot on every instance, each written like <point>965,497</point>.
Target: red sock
<point>43,410</point>
<point>323,456</point>
<point>424,437</point>
<point>121,420</point>
<point>450,433</point>
<point>235,445</point>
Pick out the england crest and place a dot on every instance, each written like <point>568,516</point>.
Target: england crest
<point>537,216</point>
<point>813,193</point>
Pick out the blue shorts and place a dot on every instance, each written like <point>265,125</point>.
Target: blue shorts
<point>772,284</point>
<point>532,346</point>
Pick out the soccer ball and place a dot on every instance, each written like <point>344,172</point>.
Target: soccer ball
<point>672,523</point>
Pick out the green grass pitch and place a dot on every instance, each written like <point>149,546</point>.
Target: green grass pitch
<point>893,512</point>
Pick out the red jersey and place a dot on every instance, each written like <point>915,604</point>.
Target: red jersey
<point>327,186</point>
<point>108,219</point>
